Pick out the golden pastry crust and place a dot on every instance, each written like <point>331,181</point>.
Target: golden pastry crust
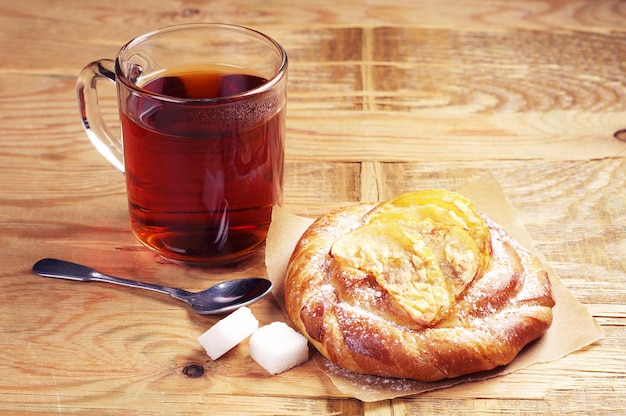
<point>388,290</point>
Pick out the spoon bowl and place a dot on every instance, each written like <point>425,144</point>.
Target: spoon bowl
<point>221,298</point>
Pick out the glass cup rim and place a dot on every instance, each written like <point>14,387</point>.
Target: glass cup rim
<point>266,86</point>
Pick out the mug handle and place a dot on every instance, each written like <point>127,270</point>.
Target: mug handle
<point>101,137</point>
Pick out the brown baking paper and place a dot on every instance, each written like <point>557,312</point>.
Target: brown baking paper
<point>572,327</point>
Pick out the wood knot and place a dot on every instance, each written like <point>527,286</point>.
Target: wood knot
<point>190,12</point>
<point>193,371</point>
<point>620,135</point>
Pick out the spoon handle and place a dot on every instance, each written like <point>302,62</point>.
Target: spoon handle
<point>62,269</point>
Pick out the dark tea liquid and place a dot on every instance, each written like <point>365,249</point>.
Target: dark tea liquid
<point>202,177</point>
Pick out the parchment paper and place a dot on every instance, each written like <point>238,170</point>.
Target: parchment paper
<point>572,327</point>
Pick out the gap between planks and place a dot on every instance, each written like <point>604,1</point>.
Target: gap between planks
<point>370,181</point>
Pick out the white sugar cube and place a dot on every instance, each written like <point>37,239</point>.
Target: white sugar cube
<point>277,347</point>
<point>228,332</point>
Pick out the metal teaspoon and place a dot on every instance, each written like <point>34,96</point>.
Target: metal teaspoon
<point>223,297</point>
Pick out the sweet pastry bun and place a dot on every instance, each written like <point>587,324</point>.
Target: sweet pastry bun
<point>423,287</point>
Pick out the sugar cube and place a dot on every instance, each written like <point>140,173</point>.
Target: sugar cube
<point>277,347</point>
<point>228,332</point>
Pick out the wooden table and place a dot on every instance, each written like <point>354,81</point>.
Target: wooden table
<point>384,97</point>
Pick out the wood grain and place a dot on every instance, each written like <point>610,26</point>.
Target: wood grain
<point>383,98</point>
<point>514,94</point>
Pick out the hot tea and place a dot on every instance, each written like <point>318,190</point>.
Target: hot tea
<point>203,166</point>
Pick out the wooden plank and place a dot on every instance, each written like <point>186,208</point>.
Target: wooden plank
<point>514,94</point>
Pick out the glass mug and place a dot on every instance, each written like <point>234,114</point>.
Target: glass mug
<point>202,112</point>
